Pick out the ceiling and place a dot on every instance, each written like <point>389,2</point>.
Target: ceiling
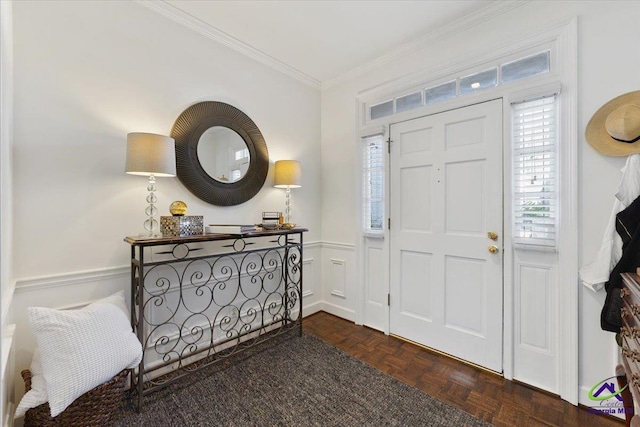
<point>321,40</point>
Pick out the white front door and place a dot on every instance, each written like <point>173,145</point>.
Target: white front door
<point>445,197</point>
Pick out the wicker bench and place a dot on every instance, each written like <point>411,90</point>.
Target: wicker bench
<point>96,407</point>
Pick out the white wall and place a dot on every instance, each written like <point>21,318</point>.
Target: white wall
<point>6,142</point>
<point>86,74</point>
<point>607,37</point>
<point>89,72</point>
<point>7,283</point>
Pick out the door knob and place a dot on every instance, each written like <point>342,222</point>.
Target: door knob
<point>493,249</point>
<point>492,235</point>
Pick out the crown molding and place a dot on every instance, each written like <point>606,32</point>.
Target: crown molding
<point>491,11</point>
<point>177,15</point>
<point>169,11</point>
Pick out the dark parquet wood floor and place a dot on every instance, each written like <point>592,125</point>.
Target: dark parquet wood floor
<point>483,394</point>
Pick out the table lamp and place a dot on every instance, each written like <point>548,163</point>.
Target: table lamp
<point>287,175</point>
<point>154,156</point>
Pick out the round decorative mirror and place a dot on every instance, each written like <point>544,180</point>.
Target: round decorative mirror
<point>221,156</point>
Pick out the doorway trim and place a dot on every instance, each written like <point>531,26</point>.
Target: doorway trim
<point>562,36</point>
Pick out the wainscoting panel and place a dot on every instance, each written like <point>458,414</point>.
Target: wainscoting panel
<point>338,279</point>
<point>311,283</point>
<point>534,308</point>
<point>376,285</point>
<point>536,360</point>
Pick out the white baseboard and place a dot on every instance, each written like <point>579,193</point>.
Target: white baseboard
<point>310,309</point>
<point>336,310</point>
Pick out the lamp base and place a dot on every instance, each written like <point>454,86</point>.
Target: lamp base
<point>288,225</point>
<point>287,210</point>
<point>152,227</point>
<point>151,224</point>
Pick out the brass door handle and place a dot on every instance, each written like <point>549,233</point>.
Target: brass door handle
<point>492,235</point>
<point>493,249</point>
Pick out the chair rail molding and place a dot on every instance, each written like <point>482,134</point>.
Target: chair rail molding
<point>339,246</point>
<point>72,278</point>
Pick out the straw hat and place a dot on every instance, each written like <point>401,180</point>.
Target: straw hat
<point>614,130</point>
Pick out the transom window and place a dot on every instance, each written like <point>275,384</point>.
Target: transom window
<point>504,73</point>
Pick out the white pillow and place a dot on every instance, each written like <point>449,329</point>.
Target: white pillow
<point>82,349</point>
<point>38,393</point>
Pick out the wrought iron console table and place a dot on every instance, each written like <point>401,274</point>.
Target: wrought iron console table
<point>198,300</point>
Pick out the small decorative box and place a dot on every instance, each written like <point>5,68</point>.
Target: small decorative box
<point>178,226</point>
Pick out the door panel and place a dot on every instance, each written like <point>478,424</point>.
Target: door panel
<point>464,133</point>
<point>416,142</point>
<point>445,195</point>
<point>461,278</point>
<point>415,298</point>
<point>463,195</point>
<point>416,211</point>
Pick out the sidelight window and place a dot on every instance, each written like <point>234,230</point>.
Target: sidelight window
<point>373,183</point>
<point>535,172</point>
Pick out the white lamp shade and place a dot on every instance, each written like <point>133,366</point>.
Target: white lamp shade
<point>150,154</point>
<point>288,173</point>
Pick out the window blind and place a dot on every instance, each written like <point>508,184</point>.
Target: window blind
<point>535,199</point>
<point>373,183</point>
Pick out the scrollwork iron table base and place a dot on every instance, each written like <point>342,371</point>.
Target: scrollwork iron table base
<point>198,300</point>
